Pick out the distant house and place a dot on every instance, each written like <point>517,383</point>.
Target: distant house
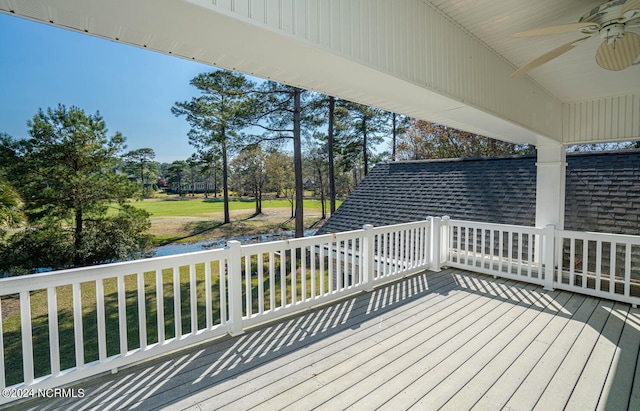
<point>602,192</point>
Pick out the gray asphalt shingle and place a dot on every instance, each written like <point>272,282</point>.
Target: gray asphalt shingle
<point>602,192</point>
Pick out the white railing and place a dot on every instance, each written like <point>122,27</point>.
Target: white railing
<point>603,265</point>
<point>597,264</point>
<point>59,327</point>
<point>516,252</point>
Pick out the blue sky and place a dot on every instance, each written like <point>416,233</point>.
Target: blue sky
<point>134,89</point>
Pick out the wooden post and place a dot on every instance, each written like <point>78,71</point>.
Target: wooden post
<point>235,288</point>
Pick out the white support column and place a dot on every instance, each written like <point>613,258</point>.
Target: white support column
<point>550,186</point>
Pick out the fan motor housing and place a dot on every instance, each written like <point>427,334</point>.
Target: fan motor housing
<point>604,15</point>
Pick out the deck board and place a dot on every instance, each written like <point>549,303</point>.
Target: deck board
<point>480,372</point>
<point>586,392</point>
<point>563,382</point>
<point>450,340</point>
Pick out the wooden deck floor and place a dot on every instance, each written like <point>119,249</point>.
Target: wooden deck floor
<point>450,340</point>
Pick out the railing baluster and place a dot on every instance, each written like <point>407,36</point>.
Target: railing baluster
<point>122,316</point>
<point>501,250</point>
<point>193,297</point>
<point>54,336</point>
<point>530,240</point>
<point>585,263</point>
<point>612,264</point>
<point>303,273</point>
<point>398,255</point>
<point>420,245</point>
<point>354,272</point>
<point>177,303</point>
<point>283,278</point>
<point>294,279</point>
<point>338,265</point>
<point>510,260</point>
<point>260,283</point>
<point>388,253</point>
<point>208,303</point>
<point>247,286</point>
<point>101,322</point>
<point>414,248</point>
<point>627,270</point>
<point>382,255</point>
<point>312,255</point>
<point>572,260</point>
<point>455,241</point>
<point>272,286</point>
<point>473,238</point>
<point>599,265</point>
<point>519,254</point>
<point>77,325</point>
<point>222,279</point>
<point>160,306</point>
<point>483,247</point>
<point>345,264</point>
<point>409,253</point>
<point>322,279</point>
<point>492,238</point>
<point>142,312</point>
<point>466,245</point>
<point>27,337</point>
<point>403,250</point>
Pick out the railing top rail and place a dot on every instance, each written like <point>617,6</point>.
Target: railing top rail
<point>412,224</point>
<point>12,285</point>
<point>505,227</point>
<point>589,235</point>
<point>288,244</point>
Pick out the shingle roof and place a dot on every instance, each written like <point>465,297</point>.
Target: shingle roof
<point>602,192</point>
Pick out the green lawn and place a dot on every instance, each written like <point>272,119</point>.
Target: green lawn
<point>172,207</point>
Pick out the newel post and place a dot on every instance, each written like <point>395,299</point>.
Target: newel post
<point>549,238</point>
<point>235,287</point>
<point>444,240</point>
<point>367,257</point>
<point>435,246</point>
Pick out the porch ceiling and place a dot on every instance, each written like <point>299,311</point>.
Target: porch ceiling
<point>441,60</point>
<point>572,77</point>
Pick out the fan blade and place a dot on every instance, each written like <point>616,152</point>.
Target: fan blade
<point>548,57</point>
<point>565,28</point>
<point>630,8</point>
<point>620,54</point>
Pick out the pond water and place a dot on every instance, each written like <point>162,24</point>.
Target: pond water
<point>181,248</point>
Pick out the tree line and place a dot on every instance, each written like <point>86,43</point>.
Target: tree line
<point>66,187</point>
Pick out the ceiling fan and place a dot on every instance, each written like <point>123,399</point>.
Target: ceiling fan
<point>619,49</point>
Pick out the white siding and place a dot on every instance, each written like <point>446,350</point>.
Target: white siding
<point>415,42</point>
<point>612,118</point>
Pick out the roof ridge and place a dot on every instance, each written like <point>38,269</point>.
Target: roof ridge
<point>515,157</point>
